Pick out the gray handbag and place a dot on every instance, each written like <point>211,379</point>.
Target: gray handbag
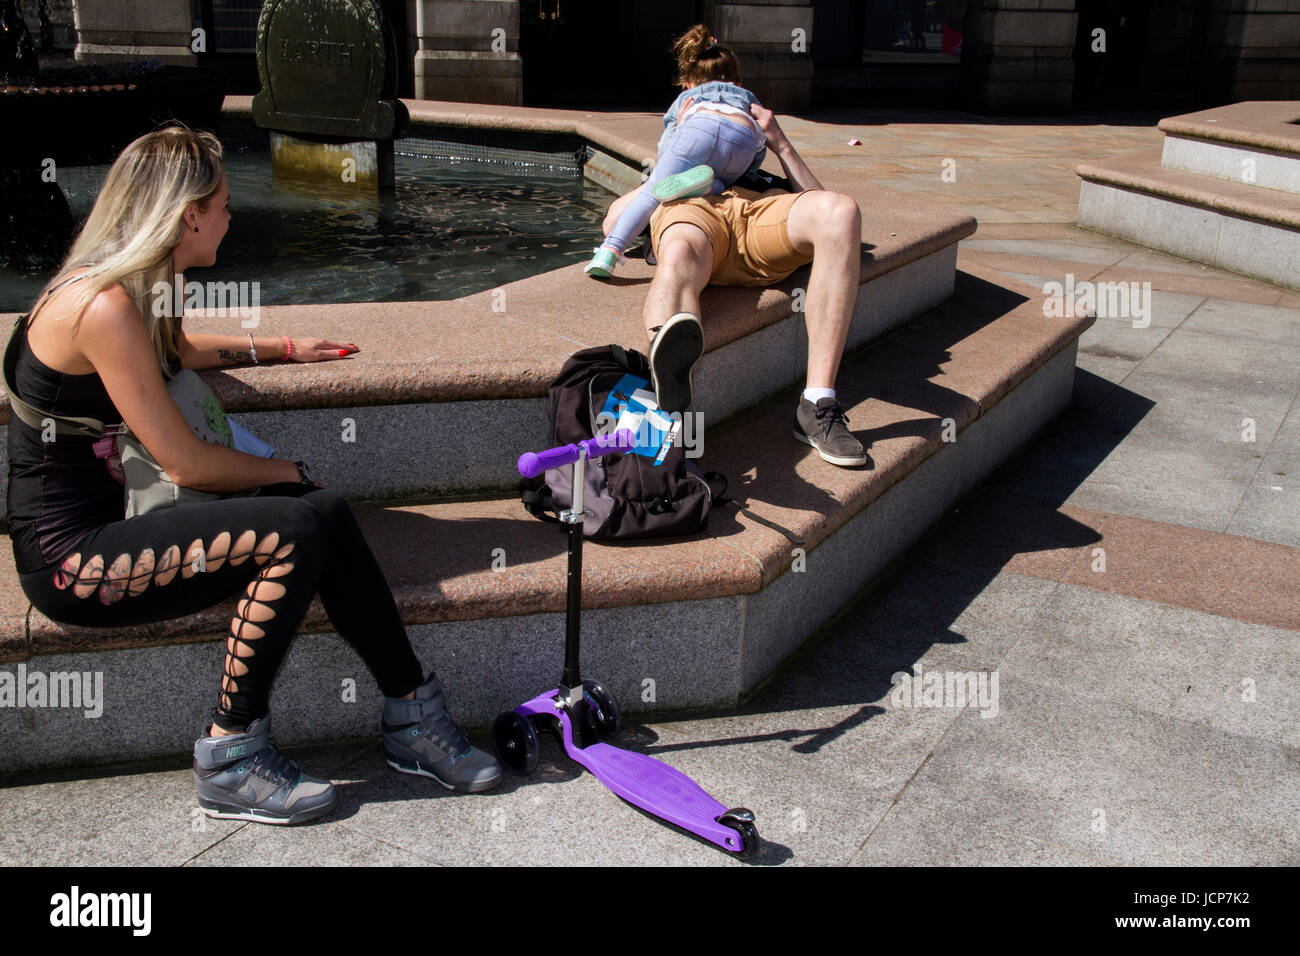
<point>148,487</point>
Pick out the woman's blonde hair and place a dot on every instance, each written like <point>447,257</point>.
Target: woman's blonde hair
<point>701,59</point>
<point>136,223</point>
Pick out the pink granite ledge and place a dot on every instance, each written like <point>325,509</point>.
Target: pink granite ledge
<point>896,231</point>
<point>472,348</point>
<point>962,358</point>
<point>1141,171</point>
<point>1271,125</point>
<point>630,136</point>
<point>410,352</point>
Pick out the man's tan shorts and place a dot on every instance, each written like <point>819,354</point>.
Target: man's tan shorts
<point>746,229</point>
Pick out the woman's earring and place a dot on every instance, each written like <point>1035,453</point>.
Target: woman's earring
<point>196,228</point>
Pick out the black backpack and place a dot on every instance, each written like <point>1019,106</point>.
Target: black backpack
<point>650,492</point>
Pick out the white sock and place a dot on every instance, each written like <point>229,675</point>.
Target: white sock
<point>813,394</point>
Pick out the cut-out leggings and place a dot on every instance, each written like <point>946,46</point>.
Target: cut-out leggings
<point>279,548</point>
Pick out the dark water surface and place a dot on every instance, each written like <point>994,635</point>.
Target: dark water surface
<point>447,230</point>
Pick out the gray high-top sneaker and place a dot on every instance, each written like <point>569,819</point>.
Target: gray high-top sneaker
<point>421,738</point>
<point>243,777</point>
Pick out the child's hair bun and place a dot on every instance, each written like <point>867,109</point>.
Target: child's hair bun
<point>701,59</point>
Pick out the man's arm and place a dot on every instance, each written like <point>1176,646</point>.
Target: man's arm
<point>796,170</point>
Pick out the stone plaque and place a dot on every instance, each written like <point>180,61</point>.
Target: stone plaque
<point>328,69</point>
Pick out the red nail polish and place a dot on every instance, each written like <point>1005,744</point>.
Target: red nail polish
<point>343,352</point>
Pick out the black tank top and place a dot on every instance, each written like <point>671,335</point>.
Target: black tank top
<point>58,490</point>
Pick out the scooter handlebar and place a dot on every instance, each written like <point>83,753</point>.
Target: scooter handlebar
<point>533,463</point>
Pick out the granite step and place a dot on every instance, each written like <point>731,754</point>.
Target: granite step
<point>672,625</point>
<point>439,388</point>
<point>1241,227</point>
<point>1256,143</point>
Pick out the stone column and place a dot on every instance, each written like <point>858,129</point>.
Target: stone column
<point>127,31</point>
<point>773,41</point>
<point>1018,56</point>
<point>468,51</point>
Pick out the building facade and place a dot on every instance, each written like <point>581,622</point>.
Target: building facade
<point>988,56</point>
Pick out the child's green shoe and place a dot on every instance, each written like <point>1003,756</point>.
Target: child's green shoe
<point>602,263</point>
<point>694,182</point>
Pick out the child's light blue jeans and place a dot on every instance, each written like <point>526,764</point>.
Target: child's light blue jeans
<point>705,139</point>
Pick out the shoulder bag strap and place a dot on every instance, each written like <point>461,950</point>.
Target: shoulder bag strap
<point>29,414</point>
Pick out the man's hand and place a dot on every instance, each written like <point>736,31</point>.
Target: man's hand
<point>767,123</point>
<point>796,170</point>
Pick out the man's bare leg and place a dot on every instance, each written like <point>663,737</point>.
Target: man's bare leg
<point>672,313</point>
<point>685,263</point>
<point>829,225</point>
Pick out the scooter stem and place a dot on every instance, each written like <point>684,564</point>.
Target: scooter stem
<point>573,609</point>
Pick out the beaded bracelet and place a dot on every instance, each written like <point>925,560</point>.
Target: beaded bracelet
<point>288,348</point>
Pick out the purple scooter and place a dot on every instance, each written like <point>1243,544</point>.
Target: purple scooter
<point>583,714</point>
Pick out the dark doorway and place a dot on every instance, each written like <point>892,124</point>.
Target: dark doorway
<point>1154,56</point>
<point>1108,51</point>
<point>594,53</point>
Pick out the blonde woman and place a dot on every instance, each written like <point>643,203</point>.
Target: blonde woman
<point>93,347</point>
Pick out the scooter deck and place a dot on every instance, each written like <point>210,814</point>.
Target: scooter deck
<point>645,782</point>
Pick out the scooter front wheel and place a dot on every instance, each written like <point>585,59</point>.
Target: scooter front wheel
<point>602,715</point>
<point>742,821</point>
<point>515,741</point>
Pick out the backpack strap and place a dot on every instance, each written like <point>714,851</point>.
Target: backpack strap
<point>540,504</point>
<point>719,497</point>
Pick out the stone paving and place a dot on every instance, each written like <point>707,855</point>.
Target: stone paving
<point>1130,579</point>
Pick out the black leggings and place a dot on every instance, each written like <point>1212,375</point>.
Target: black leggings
<point>280,547</point>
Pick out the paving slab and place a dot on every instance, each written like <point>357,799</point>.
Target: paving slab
<point>323,843</point>
<point>913,834</point>
<point>1267,323</point>
<point>1226,360</point>
<point>135,819</point>
<point>123,818</point>
<point>1168,661</point>
<point>1124,457</point>
<point>1112,348</point>
<point>1106,780</point>
<point>976,613</point>
<point>1270,509</point>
